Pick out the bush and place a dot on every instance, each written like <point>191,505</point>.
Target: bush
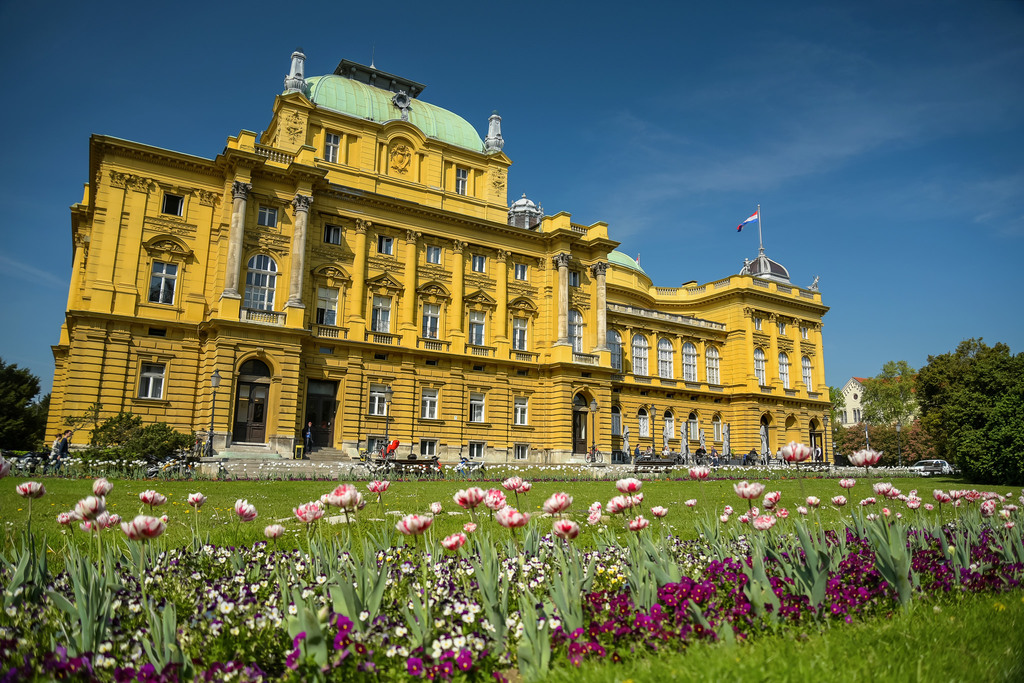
<point>151,442</point>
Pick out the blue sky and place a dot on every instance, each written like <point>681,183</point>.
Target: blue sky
<point>883,140</point>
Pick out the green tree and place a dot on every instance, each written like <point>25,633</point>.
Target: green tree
<point>151,442</point>
<point>22,421</point>
<point>972,407</point>
<point>889,396</point>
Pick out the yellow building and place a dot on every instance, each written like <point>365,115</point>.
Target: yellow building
<point>358,266</point>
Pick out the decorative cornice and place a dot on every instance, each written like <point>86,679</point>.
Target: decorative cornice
<point>207,198</point>
<point>132,182</point>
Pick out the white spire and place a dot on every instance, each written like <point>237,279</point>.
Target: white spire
<point>493,142</point>
<point>296,79</point>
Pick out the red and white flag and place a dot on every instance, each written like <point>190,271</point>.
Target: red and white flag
<point>753,218</point>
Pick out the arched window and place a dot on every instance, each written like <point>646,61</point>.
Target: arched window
<point>805,363</point>
<point>694,427</point>
<point>711,365</point>
<point>666,358</point>
<point>643,422</point>
<point>689,362</point>
<point>784,370</point>
<point>762,379</point>
<point>616,421</point>
<point>260,282</point>
<point>576,330</point>
<point>670,423</point>
<point>716,424</point>
<point>639,354</point>
<point>615,346</point>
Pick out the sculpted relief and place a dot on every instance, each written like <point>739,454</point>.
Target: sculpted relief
<point>401,158</point>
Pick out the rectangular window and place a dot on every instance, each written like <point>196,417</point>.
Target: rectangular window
<point>326,306</point>
<point>477,322</point>
<point>461,180</point>
<point>378,400</point>
<point>643,424</point>
<point>428,448</point>
<point>374,444</point>
<point>616,422</point>
<point>521,451</point>
<point>694,430</point>
<point>521,271</point>
<point>803,333</point>
<point>434,255</point>
<point>521,411</point>
<point>479,263</point>
<point>385,244</point>
<point>431,319</point>
<point>476,407</point>
<point>476,450</point>
<point>151,382</point>
<point>381,318</point>
<point>174,204</point>
<point>267,217</point>
<point>782,328</point>
<point>843,418</point>
<point>856,415</point>
<point>161,284</point>
<point>718,429</point>
<point>332,234</point>
<point>519,334</point>
<point>332,144</point>
<point>428,407</point>
<point>574,278</point>
<point>757,324</point>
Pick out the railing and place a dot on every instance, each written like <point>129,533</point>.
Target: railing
<point>666,291</point>
<point>329,332</point>
<point>718,284</point>
<point>578,228</point>
<point>584,358</point>
<point>699,289</point>
<point>639,379</point>
<point>790,392</point>
<point>253,315</point>
<point>692,385</point>
<point>806,295</point>
<point>784,289</point>
<point>670,317</point>
<point>383,338</point>
<point>271,154</point>
<point>524,356</point>
<point>480,350</point>
<point>766,390</point>
<point>761,283</point>
<point>668,383</point>
<point>432,344</point>
<point>618,378</point>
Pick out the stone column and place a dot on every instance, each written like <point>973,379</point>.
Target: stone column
<point>301,204</point>
<point>239,192</point>
<point>358,297</point>
<point>501,329</point>
<point>409,302</point>
<point>562,261</point>
<point>598,270</point>
<point>455,316</point>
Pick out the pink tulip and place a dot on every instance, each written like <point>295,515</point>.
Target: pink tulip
<point>512,483</point>
<point>872,517</point>
<point>839,501</point>
<point>454,542</point>
<point>764,522</point>
<point>619,504</point>
<point>639,523</point>
<point>66,517</point>
<point>510,518</point>
<point>308,512</point>
<point>377,486</point>
<point>469,498</point>
<point>868,501</point>
<point>113,520</point>
<point>143,528</point>
<point>414,525</point>
<point>770,499</point>
<point>847,483</point>
<point>85,526</point>
<point>628,485</point>
<point>802,510</point>
<point>796,452</point>
<point>245,510</point>
<point>748,491</point>
<point>988,508</point>
<point>89,507</point>
<point>557,503</point>
<point>435,508</point>
<point>942,497</point>
<point>699,473</point>
<point>865,458</point>
<point>469,527</point>
<point>274,531</point>
<point>659,511</point>
<point>929,507</point>
<point>744,519</point>
<point>346,497</point>
<point>152,498</point>
<point>692,502</point>
<point>882,488</point>
<point>727,509</point>
<point>494,499</point>
<point>782,513</point>
<point>723,518</point>
<point>525,487</point>
<point>566,528</point>
<point>914,503</point>
<point>1009,525</point>
<point>596,505</point>
<point>813,501</point>
<point>101,487</point>
<point>30,490</point>
<point>594,517</point>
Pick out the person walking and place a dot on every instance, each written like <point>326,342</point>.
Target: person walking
<point>307,436</point>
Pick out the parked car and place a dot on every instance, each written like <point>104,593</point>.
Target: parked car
<point>927,468</point>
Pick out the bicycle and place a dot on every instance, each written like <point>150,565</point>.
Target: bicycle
<point>594,455</point>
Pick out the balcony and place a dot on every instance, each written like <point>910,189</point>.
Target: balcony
<point>474,350</point>
<point>584,358</point>
<point>328,332</point>
<point>260,317</point>
<point>432,344</point>
<point>523,356</point>
<point>383,338</point>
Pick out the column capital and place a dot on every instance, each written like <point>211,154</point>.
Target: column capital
<point>240,190</point>
<point>599,269</point>
<point>411,236</point>
<point>302,202</point>
<point>458,247</point>
<point>562,260</point>
<point>503,255</point>
<point>362,226</point>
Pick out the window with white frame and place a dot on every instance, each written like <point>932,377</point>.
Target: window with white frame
<point>375,444</point>
<point>643,423</point>
<point>260,283</point>
<point>615,346</point>
<point>428,405</point>
<point>716,426</point>
<point>670,423</point>
<point>332,144</point>
<point>385,245</point>
<point>332,234</point>
<point>521,451</point>
<point>267,216</point>
<point>151,380</point>
<point>476,450</point>
<point>759,372</point>
<point>519,334</point>
<point>521,411</point>
<point>616,421</point>
<point>521,271</point>
<point>326,306</point>
<point>574,278</point>
<point>805,364</point>
<point>428,448</point>
<point>161,283</point>
<point>689,362</point>
<point>433,254</point>
<point>380,319</point>
<point>431,320</point>
<point>461,180</point>
<point>174,204</point>
<point>694,427</point>
<point>784,370</point>
<point>757,323</point>
<point>378,400</point>
<point>477,325</point>
<point>476,407</point>
<point>782,328</point>
<point>639,354</point>
<point>711,365</point>
<point>666,359</point>
<point>803,332</point>
<point>479,263</point>
<point>576,330</point>
<point>856,415</point>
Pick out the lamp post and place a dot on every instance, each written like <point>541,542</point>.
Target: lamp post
<point>388,393</point>
<point>594,407</point>
<point>214,382</point>
<point>824,419</point>
<point>654,411</point>
<point>899,453</point>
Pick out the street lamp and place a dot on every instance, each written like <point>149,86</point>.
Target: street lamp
<point>214,382</point>
<point>899,454</point>
<point>388,393</point>
<point>654,411</point>
<point>593,418</point>
<point>824,419</point>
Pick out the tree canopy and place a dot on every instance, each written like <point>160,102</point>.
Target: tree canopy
<point>22,420</point>
<point>889,396</point>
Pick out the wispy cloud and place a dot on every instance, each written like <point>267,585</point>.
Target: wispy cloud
<point>39,276</point>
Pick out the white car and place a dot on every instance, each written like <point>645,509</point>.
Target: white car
<point>927,468</point>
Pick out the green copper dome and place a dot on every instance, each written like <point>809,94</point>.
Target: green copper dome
<point>363,101</point>
<point>620,259</point>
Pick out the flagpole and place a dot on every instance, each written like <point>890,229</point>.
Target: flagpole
<point>759,238</point>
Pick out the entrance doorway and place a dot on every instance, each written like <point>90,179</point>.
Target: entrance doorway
<point>251,403</point>
<point>579,424</point>
<point>320,410</point>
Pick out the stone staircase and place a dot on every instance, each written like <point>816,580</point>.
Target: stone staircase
<point>324,454</point>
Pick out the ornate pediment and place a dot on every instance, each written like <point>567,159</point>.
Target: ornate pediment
<point>167,247</point>
<point>434,292</point>
<point>523,305</point>
<point>480,299</point>
<point>384,283</point>
<point>331,272</point>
